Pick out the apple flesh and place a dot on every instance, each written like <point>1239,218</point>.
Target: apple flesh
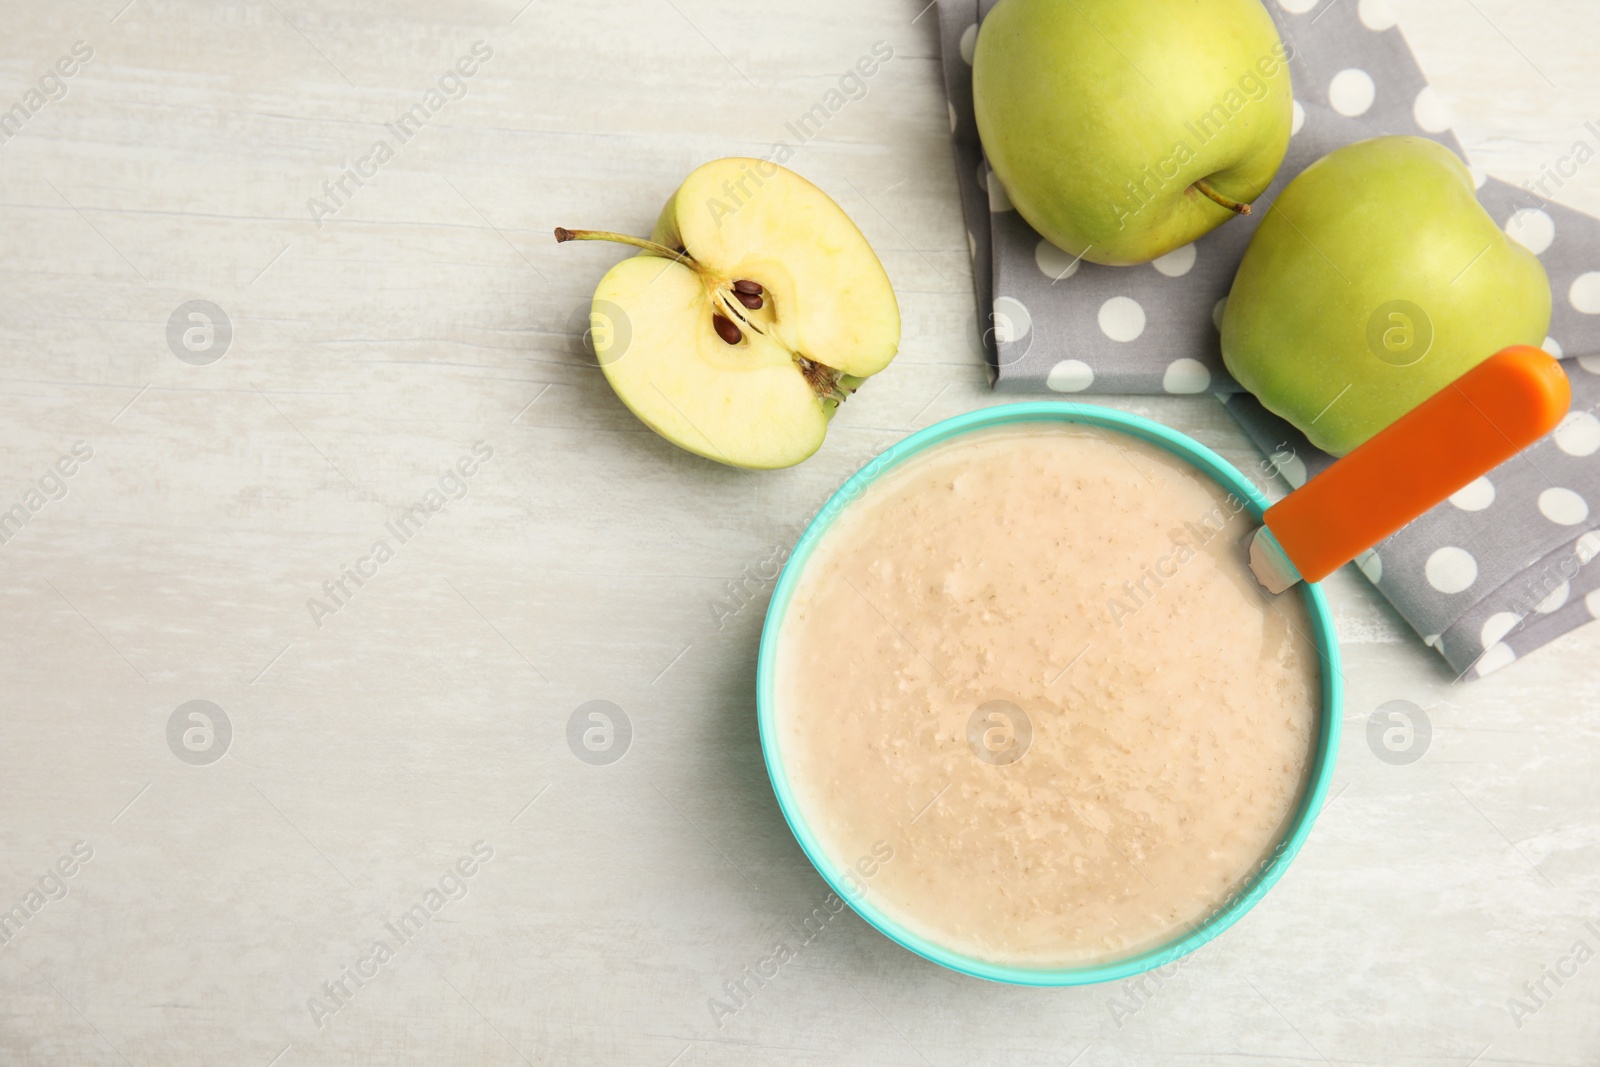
<point>1124,130</point>
<point>1374,281</point>
<point>755,308</point>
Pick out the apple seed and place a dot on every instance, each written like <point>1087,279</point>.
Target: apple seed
<point>726,329</point>
<point>748,287</point>
<point>749,300</point>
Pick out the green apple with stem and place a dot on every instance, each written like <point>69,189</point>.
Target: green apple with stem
<point>1373,281</point>
<point>1122,130</point>
<point>752,311</point>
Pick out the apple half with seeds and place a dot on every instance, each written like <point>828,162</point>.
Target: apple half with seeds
<point>752,312</point>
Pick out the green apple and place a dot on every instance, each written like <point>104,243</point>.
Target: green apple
<point>1374,281</point>
<point>1123,129</point>
<point>755,308</point>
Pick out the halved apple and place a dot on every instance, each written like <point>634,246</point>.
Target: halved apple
<point>753,311</point>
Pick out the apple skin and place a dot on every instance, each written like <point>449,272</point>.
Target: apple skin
<point>1099,115</point>
<point>1377,229</point>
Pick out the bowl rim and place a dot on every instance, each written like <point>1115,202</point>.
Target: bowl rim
<point>1227,913</point>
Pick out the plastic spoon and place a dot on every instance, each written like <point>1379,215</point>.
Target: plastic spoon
<point>1461,433</point>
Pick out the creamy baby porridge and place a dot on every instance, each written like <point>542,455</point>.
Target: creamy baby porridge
<point>1030,664</point>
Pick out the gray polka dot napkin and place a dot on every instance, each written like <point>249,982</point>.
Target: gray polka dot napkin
<point>1502,568</point>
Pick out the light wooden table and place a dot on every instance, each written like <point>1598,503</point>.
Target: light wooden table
<point>372,746</point>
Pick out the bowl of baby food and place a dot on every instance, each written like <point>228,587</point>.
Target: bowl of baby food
<point>1024,706</point>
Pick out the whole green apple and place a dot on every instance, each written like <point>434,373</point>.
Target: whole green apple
<point>1123,130</point>
<point>1374,281</point>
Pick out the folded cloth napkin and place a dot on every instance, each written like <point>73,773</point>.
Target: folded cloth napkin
<point>1502,568</point>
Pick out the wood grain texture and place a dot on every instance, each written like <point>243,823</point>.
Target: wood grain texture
<point>429,712</point>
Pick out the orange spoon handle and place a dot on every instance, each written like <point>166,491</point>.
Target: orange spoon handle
<point>1462,432</point>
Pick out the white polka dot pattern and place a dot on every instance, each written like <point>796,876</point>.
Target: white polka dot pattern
<point>1494,659</point>
<point>1070,376</point>
<point>1121,318</point>
<point>1055,263</point>
<point>969,42</point>
<point>1474,496</point>
<point>1351,92</point>
<point>1375,15</point>
<point>1177,263</point>
<point>1563,506</point>
<point>1584,293</point>
<point>1011,320</point>
<point>1557,598</point>
<point>1497,626</point>
<point>999,201</point>
<point>1532,229</point>
<point>1430,112</point>
<point>1186,376</point>
<point>1451,570</point>
<point>1578,434</point>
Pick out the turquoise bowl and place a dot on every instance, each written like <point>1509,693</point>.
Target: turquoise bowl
<point>847,888</point>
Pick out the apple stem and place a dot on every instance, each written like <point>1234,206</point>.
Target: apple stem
<point>564,234</point>
<point>1232,205</point>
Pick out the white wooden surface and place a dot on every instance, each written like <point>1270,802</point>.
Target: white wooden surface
<point>370,753</point>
